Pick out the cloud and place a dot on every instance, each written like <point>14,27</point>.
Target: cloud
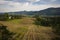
<point>10,6</point>
<point>33,0</point>
<point>49,0</point>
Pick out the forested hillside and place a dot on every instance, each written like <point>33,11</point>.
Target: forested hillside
<point>48,11</point>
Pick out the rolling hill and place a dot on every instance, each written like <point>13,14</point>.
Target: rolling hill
<point>48,11</point>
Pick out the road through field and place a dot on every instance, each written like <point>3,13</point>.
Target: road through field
<point>36,33</point>
<point>26,30</point>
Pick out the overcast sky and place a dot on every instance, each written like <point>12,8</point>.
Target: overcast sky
<point>28,5</point>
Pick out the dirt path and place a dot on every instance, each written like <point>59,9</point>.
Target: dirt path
<point>38,33</point>
<point>33,33</point>
<point>27,35</point>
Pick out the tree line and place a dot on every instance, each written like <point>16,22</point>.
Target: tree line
<point>6,16</point>
<point>46,21</point>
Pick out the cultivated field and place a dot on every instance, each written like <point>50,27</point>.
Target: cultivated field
<point>25,29</point>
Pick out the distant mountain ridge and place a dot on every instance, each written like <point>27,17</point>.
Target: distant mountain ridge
<point>48,11</point>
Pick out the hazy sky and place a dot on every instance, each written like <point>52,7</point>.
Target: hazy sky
<point>28,5</point>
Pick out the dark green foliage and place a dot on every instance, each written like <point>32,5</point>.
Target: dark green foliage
<point>41,21</point>
<point>5,34</point>
<point>16,16</point>
<point>54,22</point>
<point>4,17</point>
<point>56,38</point>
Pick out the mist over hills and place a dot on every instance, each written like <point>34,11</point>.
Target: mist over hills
<point>48,11</point>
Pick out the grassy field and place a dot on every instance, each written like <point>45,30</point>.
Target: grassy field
<point>26,30</point>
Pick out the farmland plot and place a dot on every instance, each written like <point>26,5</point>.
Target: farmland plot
<point>26,30</point>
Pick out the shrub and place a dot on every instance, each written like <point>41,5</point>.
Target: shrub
<point>5,34</point>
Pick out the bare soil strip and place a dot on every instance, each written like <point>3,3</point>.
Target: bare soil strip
<point>36,33</point>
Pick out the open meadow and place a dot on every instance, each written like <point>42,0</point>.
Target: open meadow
<point>25,29</point>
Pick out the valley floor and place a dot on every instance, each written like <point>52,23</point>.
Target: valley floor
<point>26,30</point>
